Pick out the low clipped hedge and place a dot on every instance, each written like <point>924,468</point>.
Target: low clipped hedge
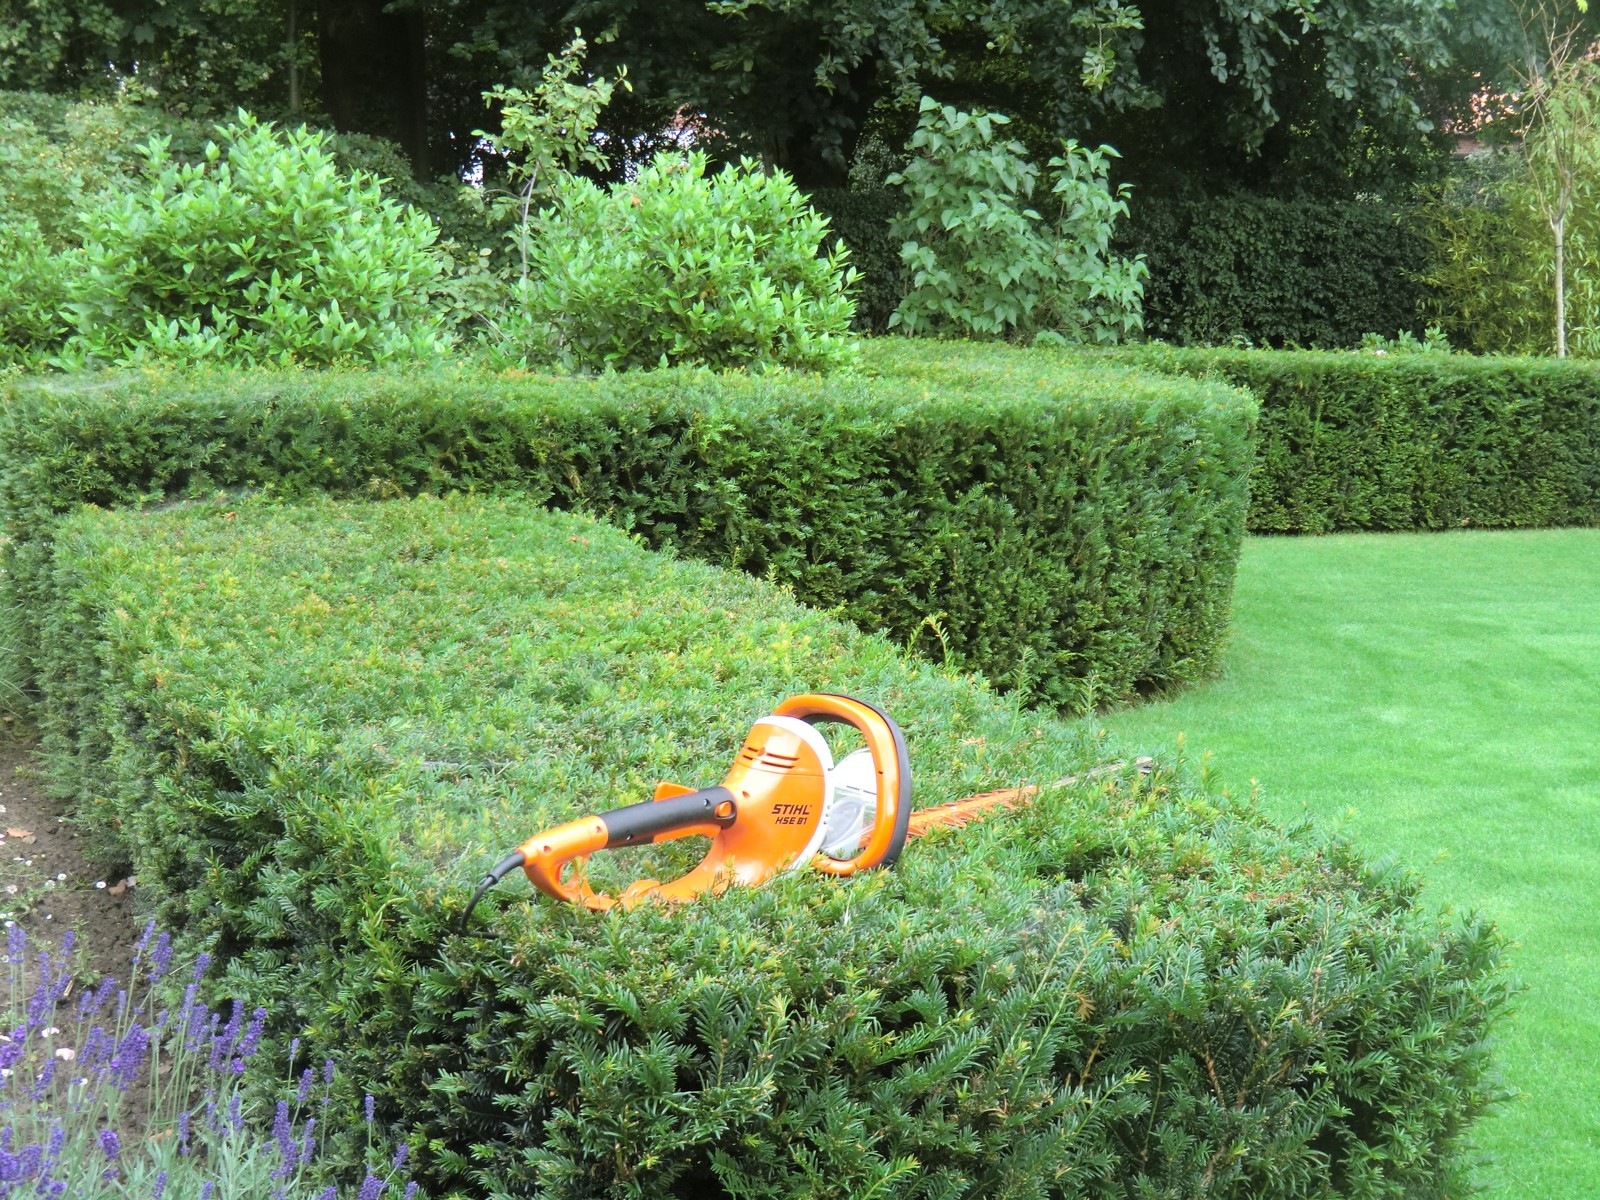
<point>312,727</point>
<point>1411,440</point>
<point>1070,531</point>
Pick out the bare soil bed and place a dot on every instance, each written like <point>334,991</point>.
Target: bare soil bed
<point>48,882</point>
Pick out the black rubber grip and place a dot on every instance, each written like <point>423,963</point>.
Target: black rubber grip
<point>641,823</point>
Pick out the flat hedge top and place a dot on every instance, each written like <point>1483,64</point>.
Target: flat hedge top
<point>468,672</point>
<point>235,425</point>
<point>1197,359</point>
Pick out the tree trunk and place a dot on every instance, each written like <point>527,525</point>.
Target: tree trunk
<point>374,73</point>
<point>1559,228</point>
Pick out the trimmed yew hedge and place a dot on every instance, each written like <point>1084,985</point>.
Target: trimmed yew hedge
<point>310,728</point>
<point>1069,531</point>
<point>1411,441</point>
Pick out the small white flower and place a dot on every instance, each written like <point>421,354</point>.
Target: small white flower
<point>11,889</point>
<point>99,883</point>
<point>61,875</point>
<point>66,1053</point>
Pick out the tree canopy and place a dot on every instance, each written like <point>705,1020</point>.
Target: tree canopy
<point>1281,94</point>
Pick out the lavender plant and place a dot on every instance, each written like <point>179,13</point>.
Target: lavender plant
<point>103,1093</point>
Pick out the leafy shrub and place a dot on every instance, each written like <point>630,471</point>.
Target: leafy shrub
<point>862,222</point>
<point>676,267</point>
<point>982,263</point>
<point>311,728</point>
<point>1268,271</point>
<point>1412,441</point>
<point>261,252</point>
<point>1073,533</point>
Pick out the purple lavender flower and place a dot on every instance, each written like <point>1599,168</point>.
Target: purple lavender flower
<point>206,1189</point>
<point>235,1117</point>
<point>252,1035</point>
<point>401,1154</point>
<point>144,941</point>
<point>29,1161</point>
<point>127,1062</point>
<point>222,1046</point>
<point>304,1093</point>
<point>42,1084</point>
<point>327,1071</point>
<point>327,1193</point>
<point>183,1132</point>
<point>284,1136</point>
<point>102,995</point>
<point>16,942</point>
<point>200,965</point>
<point>110,1144</point>
<point>308,1144</point>
<point>161,1185</point>
<point>411,1190</point>
<point>371,1188</point>
<point>162,958</point>
<point>12,1050</point>
<point>294,1052</point>
<point>198,1021</point>
<point>369,1103</point>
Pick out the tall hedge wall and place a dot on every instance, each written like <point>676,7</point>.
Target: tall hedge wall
<point>1275,271</point>
<point>311,727</point>
<point>1070,531</point>
<point>1411,441</point>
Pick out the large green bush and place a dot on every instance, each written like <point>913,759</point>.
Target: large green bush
<point>56,160</point>
<point>982,261</point>
<point>1070,532</point>
<point>677,267</point>
<point>1270,271</point>
<point>260,252</point>
<point>312,728</point>
<point>1411,441</point>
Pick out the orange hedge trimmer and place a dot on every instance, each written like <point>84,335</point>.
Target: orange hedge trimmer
<point>785,804</point>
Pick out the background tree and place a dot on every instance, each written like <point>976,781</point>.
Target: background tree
<point>1561,107</point>
<point>1285,94</point>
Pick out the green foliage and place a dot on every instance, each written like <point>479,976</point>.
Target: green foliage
<point>1073,533</point>
<point>1491,264</point>
<point>982,263</point>
<point>56,160</point>
<point>312,727</point>
<point>861,221</point>
<point>1489,268</point>
<point>1276,272</point>
<point>1412,441</point>
<point>677,267</point>
<point>262,252</point>
<point>549,133</point>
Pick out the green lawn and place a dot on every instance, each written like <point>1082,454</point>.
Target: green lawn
<point>1441,693</point>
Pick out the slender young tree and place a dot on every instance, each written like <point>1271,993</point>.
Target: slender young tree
<point>1561,111</point>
